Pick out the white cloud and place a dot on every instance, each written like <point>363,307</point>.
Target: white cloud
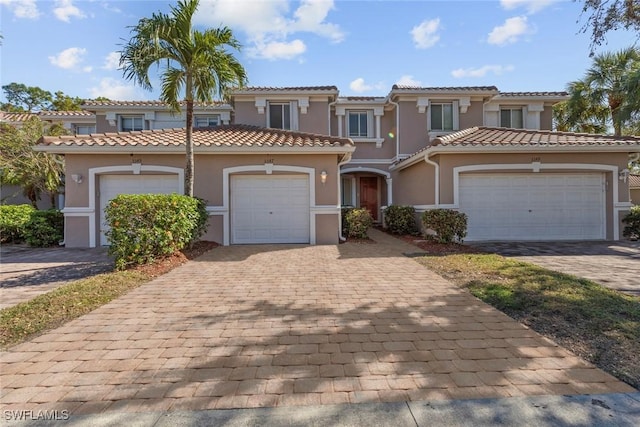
<point>111,61</point>
<point>278,50</point>
<point>22,8</point>
<point>65,10</point>
<point>425,34</point>
<point>510,31</point>
<point>532,6</point>
<point>481,71</point>
<point>359,85</point>
<point>115,90</point>
<point>408,80</point>
<point>69,58</point>
<point>269,24</point>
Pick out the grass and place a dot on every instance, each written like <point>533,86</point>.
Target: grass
<point>599,324</point>
<point>67,302</point>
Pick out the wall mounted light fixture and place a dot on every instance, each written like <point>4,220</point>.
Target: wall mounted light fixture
<point>77,178</point>
<point>323,177</point>
<point>624,174</point>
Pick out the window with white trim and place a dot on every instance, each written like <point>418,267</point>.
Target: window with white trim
<point>511,118</point>
<point>84,129</point>
<point>206,121</point>
<point>281,116</point>
<point>347,191</point>
<point>360,124</point>
<point>131,123</point>
<point>441,116</point>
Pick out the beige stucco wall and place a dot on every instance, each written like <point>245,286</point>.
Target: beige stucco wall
<point>208,184</point>
<point>635,196</point>
<point>314,121</point>
<point>546,118</point>
<point>76,231</point>
<point>414,185</point>
<point>473,117</point>
<point>412,128</point>
<point>103,126</point>
<point>13,195</point>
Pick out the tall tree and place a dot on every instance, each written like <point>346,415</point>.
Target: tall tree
<point>607,84</point>
<point>35,172</point>
<point>609,15</point>
<point>63,102</point>
<point>196,63</point>
<point>21,97</point>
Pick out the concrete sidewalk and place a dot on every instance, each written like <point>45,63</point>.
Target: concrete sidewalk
<point>615,409</point>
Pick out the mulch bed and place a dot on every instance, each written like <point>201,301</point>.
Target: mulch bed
<point>164,265</point>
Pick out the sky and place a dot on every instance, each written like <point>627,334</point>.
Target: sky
<point>362,47</point>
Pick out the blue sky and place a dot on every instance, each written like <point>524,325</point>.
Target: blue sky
<point>363,47</point>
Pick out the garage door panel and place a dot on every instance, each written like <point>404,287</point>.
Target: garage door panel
<point>270,209</point>
<point>533,206</point>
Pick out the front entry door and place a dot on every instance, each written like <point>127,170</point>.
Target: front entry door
<point>369,195</point>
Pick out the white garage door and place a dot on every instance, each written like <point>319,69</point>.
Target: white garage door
<point>533,206</point>
<point>113,185</point>
<point>269,209</point>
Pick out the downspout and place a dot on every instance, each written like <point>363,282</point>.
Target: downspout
<point>437,178</point>
<point>397,128</point>
<point>346,159</point>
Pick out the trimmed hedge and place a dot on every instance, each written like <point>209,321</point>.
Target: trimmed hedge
<point>449,225</point>
<point>145,227</point>
<point>357,222</point>
<point>46,228</point>
<point>400,219</point>
<point>13,222</point>
<point>632,223</point>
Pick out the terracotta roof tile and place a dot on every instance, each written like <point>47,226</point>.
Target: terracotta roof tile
<point>362,98</point>
<point>155,103</point>
<point>219,136</point>
<point>82,113</point>
<point>503,137</point>
<point>446,88</point>
<point>15,117</point>
<point>527,94</point>
<point>286,88</point>
<point>634,181</point>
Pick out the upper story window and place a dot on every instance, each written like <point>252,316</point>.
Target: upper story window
<point>131,123</point>
<point>84,129</point>
<point>441,116</point>
<point>511,118</point>
<point>360,124</point>
<point>206,121</point>
<point>280,115</point>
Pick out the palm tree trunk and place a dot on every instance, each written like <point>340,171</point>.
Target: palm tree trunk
<point>188,170</point>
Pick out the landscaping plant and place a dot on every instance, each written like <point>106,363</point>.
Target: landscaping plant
<point>450,226</point>
<point>400,219</point>
<point>13,222</point>
<point>357,222</point>
<point>632,224</point>
<point>45,228</point>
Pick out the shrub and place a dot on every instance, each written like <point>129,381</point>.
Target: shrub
<point>46,228</point>
<point>400,219</point>
<point>358,222</point>
<point>13,222</point>
<point>149,226</point>
<point>632,223</point>
<point>450,226</point>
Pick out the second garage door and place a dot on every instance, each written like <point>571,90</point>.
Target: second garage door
<point>533,206</point>
<point>270,209</point>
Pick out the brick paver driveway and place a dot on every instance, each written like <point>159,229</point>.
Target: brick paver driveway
<point>250,326</point>
<point>612,264</point>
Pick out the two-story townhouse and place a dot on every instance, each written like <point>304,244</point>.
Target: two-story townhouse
<point>283,160</point>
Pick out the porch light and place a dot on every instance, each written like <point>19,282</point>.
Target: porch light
<point>623,175</point>
<point>77,178</point>
<point>323,176</point>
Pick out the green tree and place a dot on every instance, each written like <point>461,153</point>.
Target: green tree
<point>608,84</point>
<point>610,15</point>
<point>35,172</point>
<point>62,102</point>
<point>196,63</point>
<point>21,97</point>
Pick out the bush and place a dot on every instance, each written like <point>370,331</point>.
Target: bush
<point>450,226</point>
<point>357,223</point>
<point>632,224</point>
<point>146,227</point>
<point>13,222</point>
<point>400,219</point>
<point>46,228</point>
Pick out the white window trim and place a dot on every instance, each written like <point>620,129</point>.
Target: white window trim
<point>369,114</point>
<point>207,116</point>
<point>293,113</point>
<point>522,110</point>
<point>130,116</point>
<point>455,118</point>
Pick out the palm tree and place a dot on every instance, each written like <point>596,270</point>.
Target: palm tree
<point>606,84</point>
<point>196,62</point>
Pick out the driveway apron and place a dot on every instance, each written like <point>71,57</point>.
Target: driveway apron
<point>251,326</point>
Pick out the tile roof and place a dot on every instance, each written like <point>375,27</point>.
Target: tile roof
<point>231,136</point>
<point>523,94</point>
<point>362,98</point>
<point>634,181</point>
<point>82,113</point>
<point>15,117</point>
<point>502,137</point>
<point>446,88</point>
<point>155,103</point>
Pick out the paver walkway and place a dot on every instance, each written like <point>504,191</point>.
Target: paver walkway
<point>28,272</point>
<point>615,265</point>
<point>250,326</point>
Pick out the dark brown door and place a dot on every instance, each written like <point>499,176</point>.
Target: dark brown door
<point>369,195</point>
